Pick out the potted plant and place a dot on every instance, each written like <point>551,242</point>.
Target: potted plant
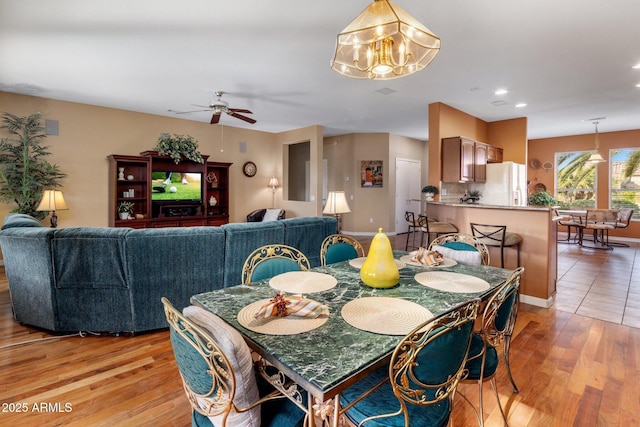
<point>178,147</point>
<point>542,198</point>
<point>430,191</point>
<point>125,209</point>
<point>24,173</point>
<point>474,196</point>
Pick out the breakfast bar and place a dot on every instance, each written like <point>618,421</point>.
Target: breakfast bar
<point>538,252</point>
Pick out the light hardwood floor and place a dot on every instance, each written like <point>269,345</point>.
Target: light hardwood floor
<point>572,369</point>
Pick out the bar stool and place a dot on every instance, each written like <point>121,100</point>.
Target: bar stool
<point>497,236</point>
<point>434,227</point>
<point>413,227</point>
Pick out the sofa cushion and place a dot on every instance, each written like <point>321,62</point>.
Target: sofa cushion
<point>20,220</point>
<point>271,215</point>
<point>307,233</point>
<point>235,348</point>
<point>465,255</point>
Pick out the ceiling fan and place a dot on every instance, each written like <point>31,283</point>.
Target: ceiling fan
<point>219,106</point>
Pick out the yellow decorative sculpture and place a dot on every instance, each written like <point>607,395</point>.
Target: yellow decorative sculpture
<point>379,269</point>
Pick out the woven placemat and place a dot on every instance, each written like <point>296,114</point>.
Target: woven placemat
<point>303,282</point>
<point>385,315</point>
<point>289,325</point>
<point>446,262</point>
<point>357,263</point>
<point>451,282</point>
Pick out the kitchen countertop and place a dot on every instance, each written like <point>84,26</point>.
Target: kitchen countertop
<point>480,205</point>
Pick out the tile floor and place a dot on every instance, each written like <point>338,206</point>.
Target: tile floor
<point>603,284</point>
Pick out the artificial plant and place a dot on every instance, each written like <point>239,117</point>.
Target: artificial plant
<point>24,172</point>
<point>179,146</point>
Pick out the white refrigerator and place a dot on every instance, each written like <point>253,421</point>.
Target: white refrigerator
<point>506,185</point>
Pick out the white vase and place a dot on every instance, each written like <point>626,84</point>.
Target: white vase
<point>213,201</point>
<point>123,215</point>
<point>428,197</point>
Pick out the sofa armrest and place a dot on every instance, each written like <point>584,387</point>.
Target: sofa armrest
<point>256,216</point>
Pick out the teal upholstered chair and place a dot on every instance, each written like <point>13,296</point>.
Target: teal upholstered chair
<point>498,320</point>
<point>417,386</point>
<point>270,260</point>
<point>462,248</point>
<point>338,247</point>
<point>219,378</point>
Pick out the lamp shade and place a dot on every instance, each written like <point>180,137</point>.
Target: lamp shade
<point>336,203</point>
<point>384,42</point>
<point>596,157</point>
<point>273,182</point>
<point>52,200</point>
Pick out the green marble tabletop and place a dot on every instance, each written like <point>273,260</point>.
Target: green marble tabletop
<point>324,360</point>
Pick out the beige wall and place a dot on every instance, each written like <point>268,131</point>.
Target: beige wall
<point>88,134</point>
<point>371,208</point>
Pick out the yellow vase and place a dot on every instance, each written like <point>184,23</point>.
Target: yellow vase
<point>379,269</point>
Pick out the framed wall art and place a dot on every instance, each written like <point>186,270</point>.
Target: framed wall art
<point>371,173</point>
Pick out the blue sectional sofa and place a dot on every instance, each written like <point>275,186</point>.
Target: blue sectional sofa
<point>105,279</point>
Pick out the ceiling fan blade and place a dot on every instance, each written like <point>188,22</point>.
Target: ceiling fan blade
<point>186,112</point>
<point>241,117</point>
<point>215,118</point>
<point>240,110</point>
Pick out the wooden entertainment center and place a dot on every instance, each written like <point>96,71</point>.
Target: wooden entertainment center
<point>130,180</point>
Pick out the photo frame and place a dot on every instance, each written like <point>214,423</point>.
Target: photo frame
<point>371,174</point>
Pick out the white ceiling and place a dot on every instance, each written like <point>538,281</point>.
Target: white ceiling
<point>569,60</point>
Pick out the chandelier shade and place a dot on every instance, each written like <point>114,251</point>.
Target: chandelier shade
<point>384,42</point>
<point>596,157</point>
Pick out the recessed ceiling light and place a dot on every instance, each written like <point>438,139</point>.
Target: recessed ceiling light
<point>501,91</point>
<point>499,103</point>
<point>521,105</point>
<point>638,85</point>
<point>636,67</point>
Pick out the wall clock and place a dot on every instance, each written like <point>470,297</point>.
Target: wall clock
<point>249,169</point>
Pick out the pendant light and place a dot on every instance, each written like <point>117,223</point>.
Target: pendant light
<point>596,157</point>
<point>384,42</point>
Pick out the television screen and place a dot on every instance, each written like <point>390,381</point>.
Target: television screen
<point>168,186</point>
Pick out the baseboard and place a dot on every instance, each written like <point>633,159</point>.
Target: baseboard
<point>538,302</point>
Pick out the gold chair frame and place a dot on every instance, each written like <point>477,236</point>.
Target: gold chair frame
<point>463,238</point>
<point>495,337</point>
<point>338,238</point>
<point>269,252</point>
<point>497,236</point>
<point>219,400</point>
<point>403,362</point>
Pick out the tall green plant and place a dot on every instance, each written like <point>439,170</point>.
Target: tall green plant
<point>24,172</point>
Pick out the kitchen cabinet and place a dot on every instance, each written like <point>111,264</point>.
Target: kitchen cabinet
<point>463,160</point>
<point>494,154</point>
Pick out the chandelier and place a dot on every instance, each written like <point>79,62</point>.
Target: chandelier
<point>384,42</point>
<point>596,157</point>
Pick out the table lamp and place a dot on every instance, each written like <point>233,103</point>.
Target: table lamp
<point>336,205</point>
<point>273,183</point>
<point>52,200</point>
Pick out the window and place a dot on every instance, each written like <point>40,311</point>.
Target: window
<point>575,180</point>
<point>625,179</point>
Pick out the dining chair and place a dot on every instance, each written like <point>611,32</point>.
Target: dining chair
<point>418,385</point>
<point>462,248</point>
<point>599,222</point>
<point>498,320</point>
<point>569,222</point>
<point>339,247</point>
<point>270,260</point>
<point>623,220</point>
<point>497,236</point>
<point>219,377</point>
<point>433,226</point>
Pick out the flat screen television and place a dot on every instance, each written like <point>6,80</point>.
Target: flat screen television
<point>176,186</point>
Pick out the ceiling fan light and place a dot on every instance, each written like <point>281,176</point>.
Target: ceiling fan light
<point>393,39</point>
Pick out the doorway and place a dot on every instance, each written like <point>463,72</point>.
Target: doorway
<point>408,173</point>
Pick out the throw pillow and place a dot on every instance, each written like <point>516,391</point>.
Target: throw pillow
<point>271,215</point>
<point>20,220</point>
<point>464,256</point>
<point>237,351</point>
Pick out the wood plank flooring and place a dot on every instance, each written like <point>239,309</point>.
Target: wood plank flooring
<point>572,370</point>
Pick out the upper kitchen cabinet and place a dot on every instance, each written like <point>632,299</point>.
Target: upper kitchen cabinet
<point>463,160</point>
<point>494,154</point>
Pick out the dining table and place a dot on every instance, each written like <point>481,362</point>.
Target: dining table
<point>326,355</point>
